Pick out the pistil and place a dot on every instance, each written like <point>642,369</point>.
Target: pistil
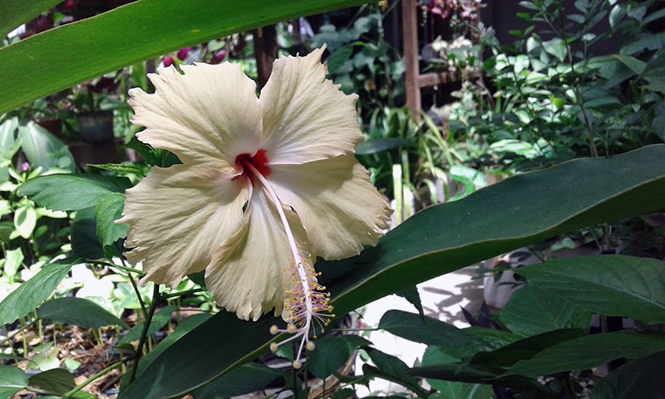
<point>307,302</point>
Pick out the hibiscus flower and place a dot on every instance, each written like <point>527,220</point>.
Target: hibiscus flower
<point>266,185</point>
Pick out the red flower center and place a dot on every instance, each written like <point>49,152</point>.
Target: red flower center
<point>259,161</point>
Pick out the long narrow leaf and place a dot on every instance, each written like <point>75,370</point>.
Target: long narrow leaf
<point>57,59</point>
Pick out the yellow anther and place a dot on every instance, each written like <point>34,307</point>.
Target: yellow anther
<point>273,330</point>
<point>292,329</point>
<point>297,365</point>
<point>310,346</point>
<point>274,347</point>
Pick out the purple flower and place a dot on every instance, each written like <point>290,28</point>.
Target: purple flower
<point>168,61</point>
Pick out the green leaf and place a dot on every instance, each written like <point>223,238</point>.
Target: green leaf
<point>68,192</point>
<point>611,285</point>
<point>79,312</point>
<point>430,331</point>
<point>339,58</point>
<point>6,229</point>
<point>411,294</point>
<point>641,378</point>
<point>158,321</point>
<point>30,294</point>
<point>13,260</point>
<point>392,369</point>
<point>450,389</point>
<point>245,379</point>
<point>108,210</point>
<point>17,12</point>
<point>523,349</point>
<point>590,351</point>
<point>489,222</point>
<point>12,380</point>
<point>7,140</point>
<point>532,311</point>
<point>329,355</point>
<point>122,168</point>
<point>633,63</point>
<point>372,146</point>
<point>85,243</point>
<point>43,149</point>
<point>54,381</point>
<point>59,58</point>
<point>25,220</point>
<point>183,328</point>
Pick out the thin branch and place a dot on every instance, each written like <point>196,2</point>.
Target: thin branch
<point>156,298</point>
<point>94,377</point>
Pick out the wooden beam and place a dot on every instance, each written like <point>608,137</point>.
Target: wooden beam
<point>265,51</point>
<point>411,64</point>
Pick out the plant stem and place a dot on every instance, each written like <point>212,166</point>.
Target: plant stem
<point>146,326</point>
<point>94,377</point>
<point>23,327</point>
<point>182,293</point>
<point>138,294</point>
<point>123,268</point>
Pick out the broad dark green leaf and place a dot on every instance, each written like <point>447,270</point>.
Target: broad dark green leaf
<point>611,285</point>
<point>12,380</point>
<point>183,328</point>
<point>532,311</point>
<point>30,294</point>
<point>489,222</point>
<point>523,349</point>
<point>43,149</point>
<point>17,12</point>
<point>57,59</point>
<point>329,355</point>
<point>55,381</point>
<point>245,379</point>
<point>79,312</point>
<point>67,192</point>
<point>108,210</point>
<point>451,389</point>
<point>429,331</point>
<point>641,378</point>
<point>590,351</point>
<point>85,243</point>
<point>461,372</point>
<point>158,321</point>
<point>391,368</point>
<point>411,294</point>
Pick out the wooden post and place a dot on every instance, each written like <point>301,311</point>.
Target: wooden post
<point>411,64</point>
<point>265,51</point>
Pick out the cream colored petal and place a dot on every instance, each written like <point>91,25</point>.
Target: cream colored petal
<point>178,216</point>
<point>338,205</point>
<point>305,116</point>
<point>207,116</point>
<point>249,272</point>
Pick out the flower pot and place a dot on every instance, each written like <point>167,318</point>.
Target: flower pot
<point>96,127</point>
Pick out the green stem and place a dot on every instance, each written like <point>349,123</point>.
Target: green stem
<point>146,326</point>
<point>138,295</point>
<point>94,377</point>
<point>123,268</point>
<point>23,327</point>
<point>182,293</point>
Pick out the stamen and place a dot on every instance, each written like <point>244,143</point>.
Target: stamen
<point>306,303</point>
